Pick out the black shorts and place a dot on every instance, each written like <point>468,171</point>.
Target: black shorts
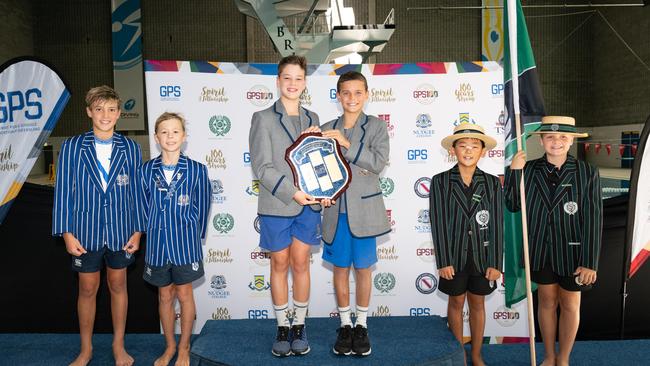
<point>173,274</point>
<point>546,276</point>
<point>469,279</point>
<point>90,262</point>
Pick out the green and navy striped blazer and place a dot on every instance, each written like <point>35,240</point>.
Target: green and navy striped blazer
<point>564,228</point>
<point>457,223</point>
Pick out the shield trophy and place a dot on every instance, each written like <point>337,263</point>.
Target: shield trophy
<point>318,166</point>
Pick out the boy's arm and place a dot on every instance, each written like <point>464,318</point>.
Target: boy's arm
<point>137,205</point>
<point>438,216</point>
<point>204,195</point>
<point>64,187</point>
<point>259,141</point>
<point>511,189</point>
<point>592,228</point>
<point>372,154</point>
<point>495,257</point>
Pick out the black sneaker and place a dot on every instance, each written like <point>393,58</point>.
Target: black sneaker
<point>360,341</point>
<point>343,345</point>
<point>281,346</point>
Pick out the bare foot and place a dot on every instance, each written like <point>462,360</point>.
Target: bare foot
<point>164,359</point>
<point>477,361</point>
<point>548,361</point>
<point>83,359</point>
<point>183,358</point>
<point>121,357</point>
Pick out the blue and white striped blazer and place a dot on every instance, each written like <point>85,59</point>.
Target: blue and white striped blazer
<point>82,208</point>
<point>176,213</point>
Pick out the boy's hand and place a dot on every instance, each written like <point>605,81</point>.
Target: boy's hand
<point>133,244</point>
<point>518,161</point>
<point>72,245</point>
<point>326,202</point>
<point>304,199</point>
<point>492,274</point>
<point>311,129</point>
<point>338,136</point>
<point>447,273</point>
<point>586,276</point>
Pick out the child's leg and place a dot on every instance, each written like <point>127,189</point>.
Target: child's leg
<point>166,296</point>
<point>119,306</point>
<point>279,285</point>
<point>455,307</point>
<point>476,325</point>
<point>363,288</point>
<point>342,290</point>
<point>547,316</point>
<point>86,306</point>
<point>569,322</point>
<point>188,311</point>
<point>299,260</point>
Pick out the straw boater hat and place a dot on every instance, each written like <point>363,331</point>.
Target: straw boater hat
<point>468,131</point>
<point>559,124</point>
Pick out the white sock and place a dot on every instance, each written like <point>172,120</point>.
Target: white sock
<point>300,312</point>
<point>281,314</point>
<point>362,316</point>
<point>344,314</point>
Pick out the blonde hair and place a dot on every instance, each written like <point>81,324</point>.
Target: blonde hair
<point>102,93</point>
<point>167,116</point>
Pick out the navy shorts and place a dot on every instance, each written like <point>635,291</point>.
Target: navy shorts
<point>469,279</point>
<point>173,274</point>
<point>276,232</point>
<point>90,262</point>
<point>546,276</point>
<point>347,250</point>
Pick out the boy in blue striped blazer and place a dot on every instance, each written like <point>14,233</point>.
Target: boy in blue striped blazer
<point>466,215</point>
<point>289,218</point>
<point>176,191</point>
<point>565,223</point>
<point>96,212</point>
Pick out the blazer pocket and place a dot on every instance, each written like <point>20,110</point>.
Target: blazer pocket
<point>371,195</point>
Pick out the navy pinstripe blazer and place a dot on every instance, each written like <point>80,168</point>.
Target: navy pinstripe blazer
<point>564,227</point>
<point>457,224</point>
<point>176,213</point>
<point>82,208</point>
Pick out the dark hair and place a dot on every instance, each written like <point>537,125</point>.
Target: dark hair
<point>473,138</point>
<point>349,76</point>
<point>292,60</point>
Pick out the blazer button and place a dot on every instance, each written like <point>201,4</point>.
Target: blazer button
<point>469,232</point>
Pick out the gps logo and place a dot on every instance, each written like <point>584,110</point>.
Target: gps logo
<point>258,314</point>
<point>170,91</point>
<point>16,101</point>
<point>419,311</point>
<point>332,94</point>
<point>496,89</point>
<point>247,157</point>
<point>417,154</point>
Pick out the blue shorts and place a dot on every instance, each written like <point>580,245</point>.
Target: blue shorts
<point>90,262</point>
<point>171,273</point>
<point>276,232</point>
<point>346,250</point>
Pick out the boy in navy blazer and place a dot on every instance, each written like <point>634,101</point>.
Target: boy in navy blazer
<point>351,225</point>
<point>466,216</point>
<point>96,212</point>
<point>176,191</point>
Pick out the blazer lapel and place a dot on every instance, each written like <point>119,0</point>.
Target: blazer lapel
<point>457,190</point>
<point>478,191</point>
<point>567,180</point>
<point>118,158</point>
<point>180,174</point>
<point>158,175</point>
<point>89,159</point>
<point>539,182</point>
<point>283,119</point>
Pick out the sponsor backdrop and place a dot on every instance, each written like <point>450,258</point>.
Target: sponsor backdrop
<point>420,104</point>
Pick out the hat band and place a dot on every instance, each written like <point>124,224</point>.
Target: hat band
<point>468,131</point>
<point>556,127</point>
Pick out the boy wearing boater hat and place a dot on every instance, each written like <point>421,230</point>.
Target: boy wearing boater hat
<point>564,209</point>
<point>466,226</point>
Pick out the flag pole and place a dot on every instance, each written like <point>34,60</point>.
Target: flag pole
<point>514,75</point>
